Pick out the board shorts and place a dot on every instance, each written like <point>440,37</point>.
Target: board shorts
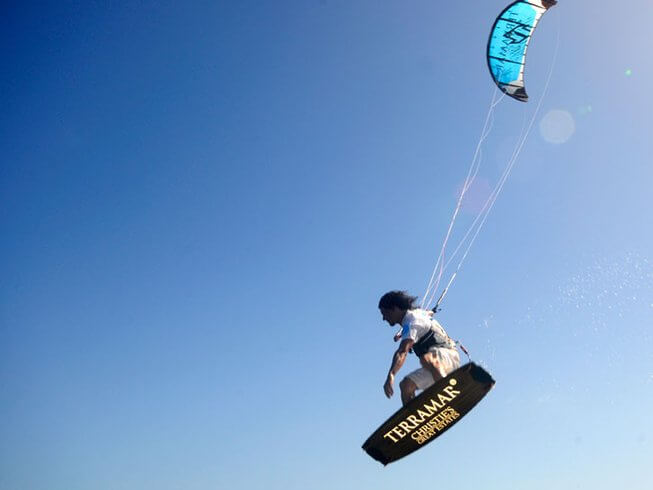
<point>449,359</point>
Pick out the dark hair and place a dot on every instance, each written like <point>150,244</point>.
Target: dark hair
<point>400,299</point>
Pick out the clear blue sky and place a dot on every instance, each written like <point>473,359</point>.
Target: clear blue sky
<point>201,203</point>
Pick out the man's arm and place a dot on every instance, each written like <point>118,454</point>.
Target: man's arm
<point>397,361</point>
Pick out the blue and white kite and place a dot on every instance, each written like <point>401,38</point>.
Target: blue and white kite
<point>506,48</point>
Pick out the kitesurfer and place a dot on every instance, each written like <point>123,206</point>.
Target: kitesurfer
<point>425,336</point>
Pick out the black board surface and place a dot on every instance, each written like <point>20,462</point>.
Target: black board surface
<point>430,414</point>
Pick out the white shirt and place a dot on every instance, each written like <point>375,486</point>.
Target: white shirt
<point>416,323</point>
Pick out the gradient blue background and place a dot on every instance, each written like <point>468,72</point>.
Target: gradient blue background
<point>201,203</point>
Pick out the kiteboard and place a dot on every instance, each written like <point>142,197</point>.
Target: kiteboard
<point>427,416</point>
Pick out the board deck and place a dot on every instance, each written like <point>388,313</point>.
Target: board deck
<point>427,416</point>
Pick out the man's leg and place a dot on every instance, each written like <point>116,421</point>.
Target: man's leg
<point>430,361</point>
<point>408,388</point>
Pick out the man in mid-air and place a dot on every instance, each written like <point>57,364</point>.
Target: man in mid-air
<point>425,336</point>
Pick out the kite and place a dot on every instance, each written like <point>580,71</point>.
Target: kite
<point>506,48</point>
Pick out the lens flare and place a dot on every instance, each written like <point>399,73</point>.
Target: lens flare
<point>557,126</point>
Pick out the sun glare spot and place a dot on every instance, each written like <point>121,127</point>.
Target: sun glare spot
<point>557,126</point>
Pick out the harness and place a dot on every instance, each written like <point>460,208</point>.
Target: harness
<point>427,341</point>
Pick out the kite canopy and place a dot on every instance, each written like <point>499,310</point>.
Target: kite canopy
<point>509,37</point>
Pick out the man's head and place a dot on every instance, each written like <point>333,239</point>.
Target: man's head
<point>394,304</point>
